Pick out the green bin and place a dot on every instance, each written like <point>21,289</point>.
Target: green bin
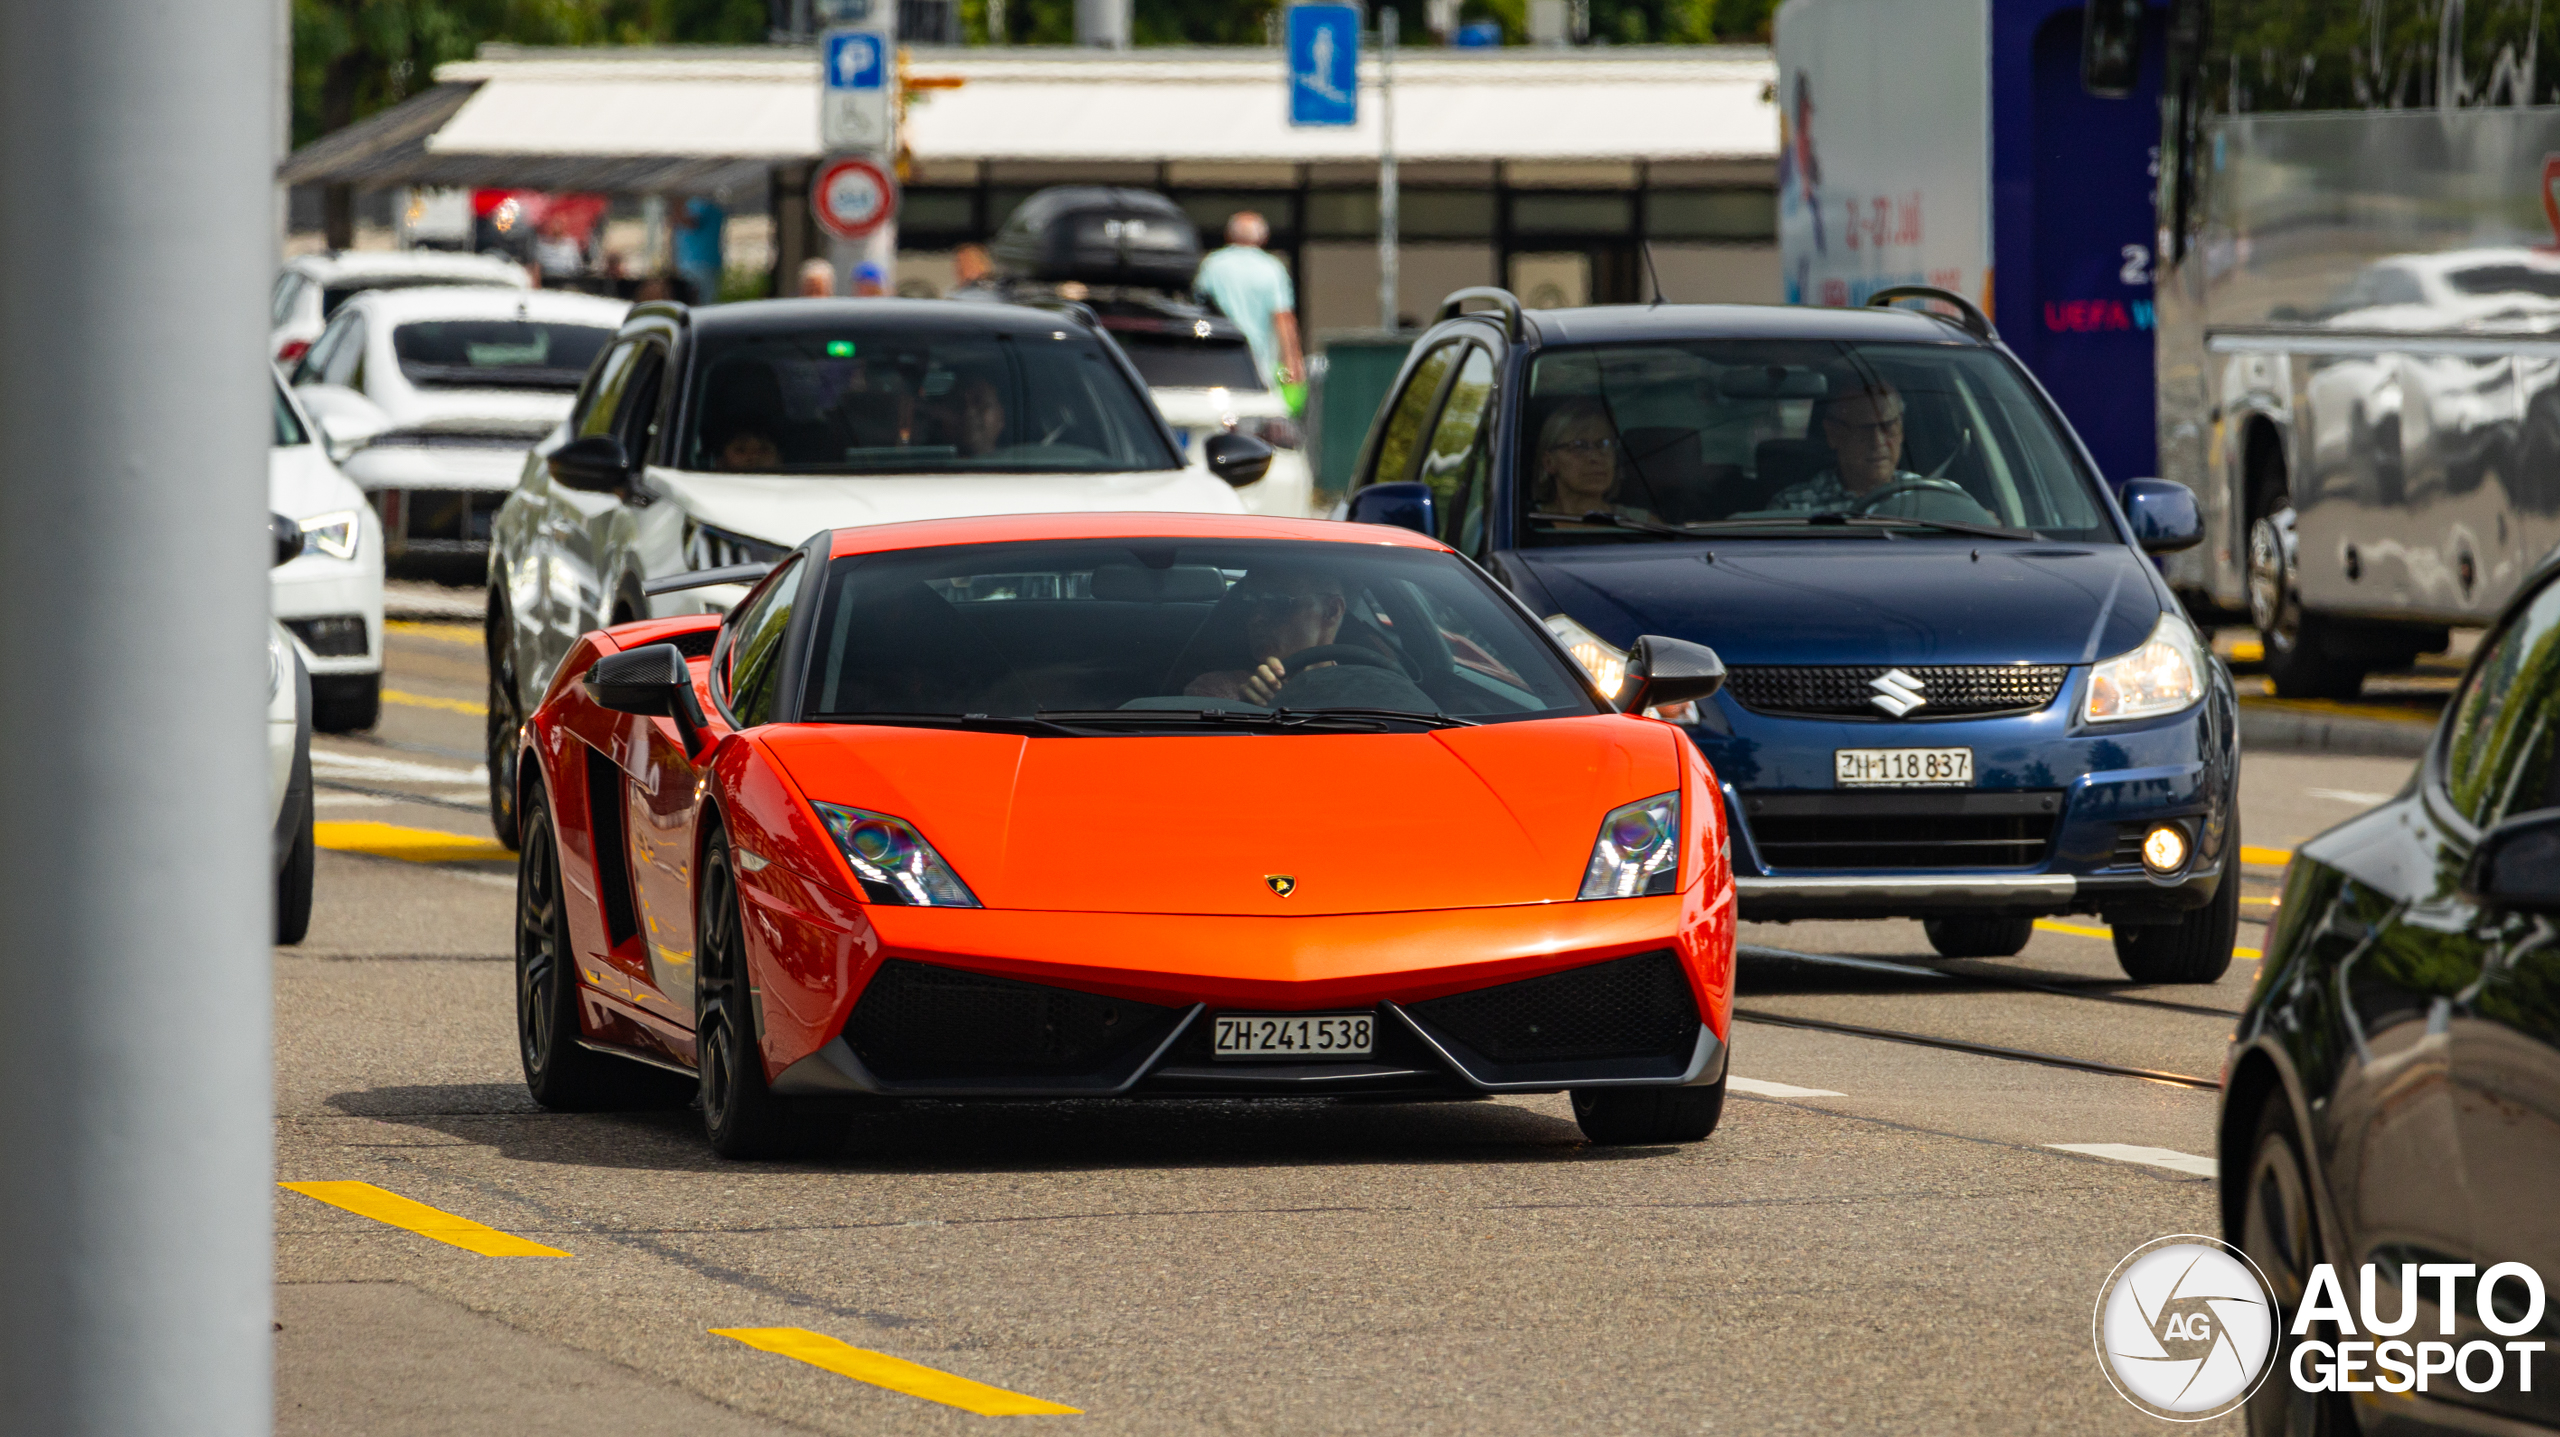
<point>1354,371</point>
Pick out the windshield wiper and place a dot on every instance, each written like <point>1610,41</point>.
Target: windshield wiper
<point>1952,526</point>
<point>1234,718</point>
<point>991,723</point>
<point>1430,720</point>
<point>1616,521</point>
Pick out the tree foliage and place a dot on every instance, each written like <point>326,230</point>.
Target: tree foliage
<point>354,57</point>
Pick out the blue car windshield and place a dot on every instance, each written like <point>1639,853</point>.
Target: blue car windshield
<point>1745,435</point>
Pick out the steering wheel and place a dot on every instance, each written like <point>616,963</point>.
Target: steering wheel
<point>1868,502</point>
<point>1300,661</point>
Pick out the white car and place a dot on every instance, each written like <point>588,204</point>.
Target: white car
<point>1204,381</point>
<point>430,398</point>
<point>310,289</point>
<point>726,435</point>
<point>294,858</point>
<point>328,593</point>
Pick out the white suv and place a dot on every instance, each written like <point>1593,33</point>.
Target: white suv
<point>711,437</point>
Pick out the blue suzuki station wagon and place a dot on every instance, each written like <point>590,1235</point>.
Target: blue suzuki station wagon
<point>1957,687</point>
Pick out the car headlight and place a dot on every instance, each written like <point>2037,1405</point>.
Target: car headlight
<point>333,534</point>
<point>892,860</point>
<point>1638,851</point>
<point>1606,663</point>
<point>2163,676</point>
<point>709,548</point>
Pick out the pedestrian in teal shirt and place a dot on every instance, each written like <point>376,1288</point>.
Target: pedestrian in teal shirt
<point>1252,288</point>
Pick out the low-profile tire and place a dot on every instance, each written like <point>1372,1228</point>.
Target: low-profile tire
<point>301,864</point>
<point>2196,948</point>
<point>2302,657</point>
<point>740,1114</point>
<point>562,1075</point>
<point>1648,1115</point>
<point>2279,1229</point>
<point>1978,935</point>
<point>505,726</point>
<point>346,703</point>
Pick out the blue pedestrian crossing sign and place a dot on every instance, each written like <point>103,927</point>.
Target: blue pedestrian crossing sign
<point>1324,64</point>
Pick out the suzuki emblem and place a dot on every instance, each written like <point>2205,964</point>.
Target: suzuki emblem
<point>1280,883</point>
<point>1897,693</point>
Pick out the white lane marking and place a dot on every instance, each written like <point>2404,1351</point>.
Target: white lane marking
<point>1759,1087</point>
<point>2169,1158</point>
<point>393,770</point>
<point>2349,795</point>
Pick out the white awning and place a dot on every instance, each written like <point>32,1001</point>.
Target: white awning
<point>1046,106</point>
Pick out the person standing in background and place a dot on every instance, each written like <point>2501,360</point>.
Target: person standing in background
<point>817,279</point>
<point>1251,287</point>
<point>970,264</point>
<point>698,223</point>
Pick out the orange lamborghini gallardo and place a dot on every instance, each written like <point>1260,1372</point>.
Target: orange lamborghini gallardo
<point>1118,805</point>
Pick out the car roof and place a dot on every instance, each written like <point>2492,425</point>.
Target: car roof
<point>357,264</point>
<point>924,316</point>
<point>1029,528</point>
<point>455,301</point>
<point>1608,323</point>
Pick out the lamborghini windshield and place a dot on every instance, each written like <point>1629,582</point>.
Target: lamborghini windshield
<point>884,399</point>
<point>1156,634</point>
<point>1789,437</point>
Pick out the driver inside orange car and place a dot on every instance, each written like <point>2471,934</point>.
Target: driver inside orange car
<point>1285,612</point>
<point>1864,429</point>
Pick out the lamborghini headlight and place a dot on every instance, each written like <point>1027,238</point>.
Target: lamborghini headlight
<point>1638,851</point>
<point>2163,676</point>
<point>1606,663</point>
<point>333,534</point>
<point>892,860</point>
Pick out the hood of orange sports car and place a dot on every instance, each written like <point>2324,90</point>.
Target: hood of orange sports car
<point>1260,824</point>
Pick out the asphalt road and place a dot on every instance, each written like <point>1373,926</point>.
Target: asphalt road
<point>1881,1236</point>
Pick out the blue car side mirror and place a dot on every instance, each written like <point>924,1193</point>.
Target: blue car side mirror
<point>1405,504</point>
<point>2163,514</point>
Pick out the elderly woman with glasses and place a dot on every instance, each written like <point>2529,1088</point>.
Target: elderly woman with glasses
<point>1579,466</point>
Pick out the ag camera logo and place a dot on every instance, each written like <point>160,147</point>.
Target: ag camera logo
<point>2184,1328</point>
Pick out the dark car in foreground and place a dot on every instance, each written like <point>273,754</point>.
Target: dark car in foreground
<point>1960,690</point>
<point>2393,1095</point>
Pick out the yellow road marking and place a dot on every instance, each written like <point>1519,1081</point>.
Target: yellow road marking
<point>2248,651</point>
<point>418,845</point>
<point>441,633</point>
<point>2083,930</point>
<point>386,1206</point>
<point>2266,857</point>
<point>895,1373</point>
<point>430,701</point>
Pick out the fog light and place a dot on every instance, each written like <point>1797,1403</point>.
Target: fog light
<point>2164,848</point>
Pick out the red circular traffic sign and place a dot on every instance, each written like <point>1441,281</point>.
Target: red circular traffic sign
<point>853,196</point>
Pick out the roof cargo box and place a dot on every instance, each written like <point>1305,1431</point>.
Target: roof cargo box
<point>1097,235</point>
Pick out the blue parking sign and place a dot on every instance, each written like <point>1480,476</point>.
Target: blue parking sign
<point>854,60</point>
<point>1324,64</point>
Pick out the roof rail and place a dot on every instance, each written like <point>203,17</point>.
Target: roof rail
<point>1494,295</point>
<point>1975,322</point>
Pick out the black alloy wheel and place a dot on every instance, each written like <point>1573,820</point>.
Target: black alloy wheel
<point>561,1074</point>
<point>1978,935</point>
<point>2300,651</point>
<point>505,725</point>
<point>1616,1116</point>
<point>2196,948</point>
<point>2280,1232</point>
<point>740,1115</point>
